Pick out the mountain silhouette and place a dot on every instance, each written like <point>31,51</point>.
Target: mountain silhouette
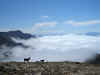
<point>93,33</point>
<point>5,37</point>
<point>94,60</point>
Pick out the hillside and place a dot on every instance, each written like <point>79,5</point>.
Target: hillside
<point>51,68</point>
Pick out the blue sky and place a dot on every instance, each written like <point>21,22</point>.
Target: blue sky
<point>50,16</point>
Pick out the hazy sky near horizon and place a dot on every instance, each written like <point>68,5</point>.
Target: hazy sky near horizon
<point>50,16</point>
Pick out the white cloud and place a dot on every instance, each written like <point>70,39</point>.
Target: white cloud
<point>45,16</point>
<point>52,32</point>
<point>71,47</point>
<point>44,24</point>
<point>82,23</point>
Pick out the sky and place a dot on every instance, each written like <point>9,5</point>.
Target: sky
<point>50,16</point>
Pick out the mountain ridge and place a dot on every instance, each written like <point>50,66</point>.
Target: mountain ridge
<point>6,37</point>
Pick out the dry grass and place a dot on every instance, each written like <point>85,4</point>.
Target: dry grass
<point>48,68</point>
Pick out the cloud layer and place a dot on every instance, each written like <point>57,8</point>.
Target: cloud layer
<point>83,23</point>
<point>71,47</point>
<point>36,27</point>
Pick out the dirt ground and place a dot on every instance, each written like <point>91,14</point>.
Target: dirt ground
<point>49,68</point>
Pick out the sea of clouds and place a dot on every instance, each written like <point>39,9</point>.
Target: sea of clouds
<point>69,47</point>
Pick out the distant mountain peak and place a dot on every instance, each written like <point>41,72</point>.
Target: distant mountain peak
<point>19,31</point>
<point>93,33</point>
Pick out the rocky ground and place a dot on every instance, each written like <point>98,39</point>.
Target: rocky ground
<point>49,68</point>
